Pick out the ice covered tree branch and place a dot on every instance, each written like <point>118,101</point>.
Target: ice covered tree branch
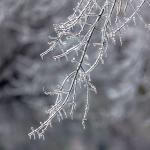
<point>108,19</point>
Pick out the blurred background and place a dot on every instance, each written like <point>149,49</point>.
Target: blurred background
<point>119,116</point>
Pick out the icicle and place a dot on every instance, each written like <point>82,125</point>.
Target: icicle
<point>61,116</point>
<point>134,20</point>
<point>120,38</point>
<point>83,123</point>
<point>58,117</point>
<point>92,87</point>
<point>50,124</point>
<point>43,137</point>
<point>29,136</point>
<point>64,113</point>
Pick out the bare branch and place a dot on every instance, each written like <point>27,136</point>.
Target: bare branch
<point>107,14</point>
